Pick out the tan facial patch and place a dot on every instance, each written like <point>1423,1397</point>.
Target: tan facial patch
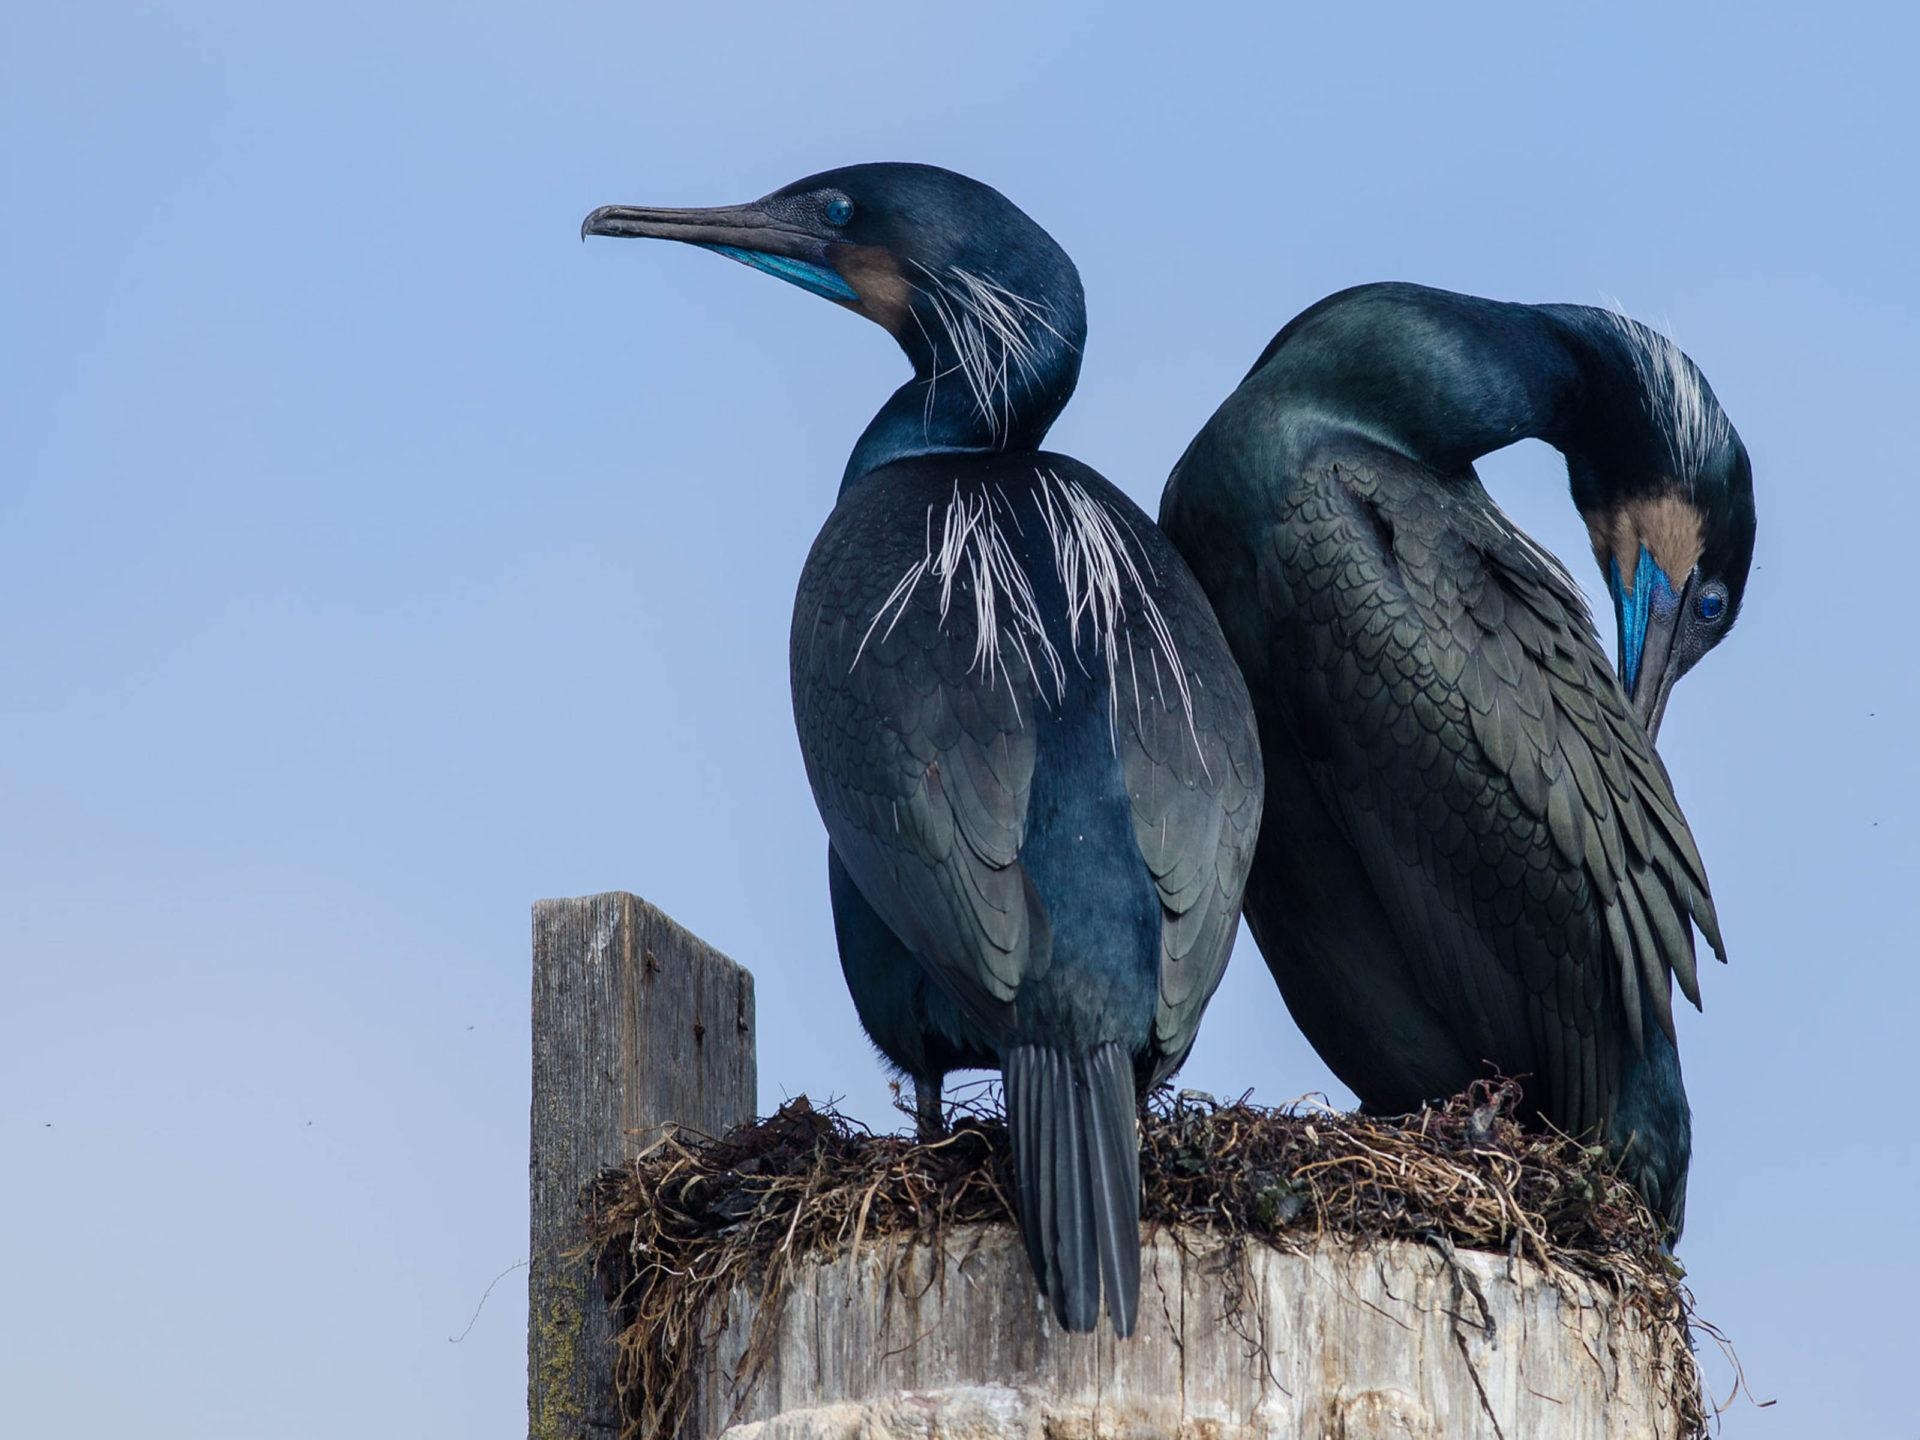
<point>1668,524</point>
<point>885,295</point>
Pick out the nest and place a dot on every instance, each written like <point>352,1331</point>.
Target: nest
<point>678,1231</point>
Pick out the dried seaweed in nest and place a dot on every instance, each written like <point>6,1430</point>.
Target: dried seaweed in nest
<point>690,1222</point>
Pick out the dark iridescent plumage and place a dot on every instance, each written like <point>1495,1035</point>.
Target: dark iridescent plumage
<point>1033,753</point>
<point>1472,859</point>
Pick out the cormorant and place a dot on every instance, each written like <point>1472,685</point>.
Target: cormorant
<point>1472,857</point>
<point>1035,757</point>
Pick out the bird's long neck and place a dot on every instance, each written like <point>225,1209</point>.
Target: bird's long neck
<point>1439,377</point>
<point>1446,378</point>
<point>985,381</point>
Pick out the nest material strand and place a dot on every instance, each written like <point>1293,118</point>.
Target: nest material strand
<point>677,1231</point>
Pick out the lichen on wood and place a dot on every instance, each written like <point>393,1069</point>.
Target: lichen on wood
<point>556,1414</point>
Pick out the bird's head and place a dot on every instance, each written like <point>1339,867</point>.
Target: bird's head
<point>986,305</point>
<point>1669,507</point>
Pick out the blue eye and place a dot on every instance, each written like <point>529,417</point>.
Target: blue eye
<point>1712,605</point>
<point>839,210</point>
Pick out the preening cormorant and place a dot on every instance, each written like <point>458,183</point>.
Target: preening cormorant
<point>1035,757</point>
<point>1472,859</point>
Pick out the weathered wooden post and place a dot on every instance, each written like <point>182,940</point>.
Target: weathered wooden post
<point>1315,1334</point>
<point>636,1024</point>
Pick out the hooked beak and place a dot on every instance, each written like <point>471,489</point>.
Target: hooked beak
<point>1649,615</point>
<point>747,233</point>
<point>1659,668</point>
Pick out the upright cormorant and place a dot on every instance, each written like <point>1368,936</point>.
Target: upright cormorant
<point>1035,757</point>
<point>1472,858</point>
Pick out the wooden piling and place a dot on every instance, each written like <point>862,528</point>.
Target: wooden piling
<point>636,1024</point>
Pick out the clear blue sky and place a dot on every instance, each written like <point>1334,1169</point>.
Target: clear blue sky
<point>375,559</point>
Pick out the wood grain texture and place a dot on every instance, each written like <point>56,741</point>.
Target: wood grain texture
<point>1356,1343</point>
<point>636,1024</point>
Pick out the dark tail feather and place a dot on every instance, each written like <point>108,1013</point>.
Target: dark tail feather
<point>1030,1134</point>
<point>1112,1120</point>
<point>1076,1157</point>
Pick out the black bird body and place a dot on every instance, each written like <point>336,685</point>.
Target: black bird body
<point>1472,857</point>
<point>1034,755</point>
<point>1053,832</point>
